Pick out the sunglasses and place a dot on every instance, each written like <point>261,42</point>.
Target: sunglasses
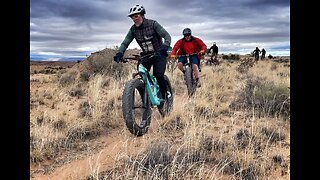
<point>135,16</point>
<point>187,35</point>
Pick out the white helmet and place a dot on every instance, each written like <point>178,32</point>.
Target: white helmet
<point>136,9</point>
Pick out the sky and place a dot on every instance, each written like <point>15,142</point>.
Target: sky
<point>74,29</point>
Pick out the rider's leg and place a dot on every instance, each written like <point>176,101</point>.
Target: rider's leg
<point>159,67</point>
<point>195,61</point>
<point>215,56</point>
<point>181,62</point>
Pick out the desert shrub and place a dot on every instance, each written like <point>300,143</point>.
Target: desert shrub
<point>231,56</point>
<point>154,162</point>
<point>76,92</point>
<point>173,124</point>
<point>83,133</point>
<point>249,172</point>
<point>157,153</point>
<point>245,65</point>
<point>44,148</point>
<point>267,98</point>
<point>84,76</point>
<point>102,62</point>
<point>272,135</point>
<point>208,145</point>
<point>84,109</point>
<point>235,56</point>
<point>273,67</point>
<point>242,138</point>
<point>59,124</point>
<point>225,56</point>
<point>68,78</point>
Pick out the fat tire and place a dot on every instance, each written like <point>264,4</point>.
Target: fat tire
<point>128,109</point>
<point>191,86</point>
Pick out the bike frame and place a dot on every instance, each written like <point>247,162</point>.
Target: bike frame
<point>151,85</point>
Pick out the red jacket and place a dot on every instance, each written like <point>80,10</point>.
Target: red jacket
<point>183,47</point>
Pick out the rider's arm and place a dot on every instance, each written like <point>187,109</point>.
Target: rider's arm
<point>162,33</point>
<point>211,48</point>
<point>202,45</point>
<point>176,47</point>
<point>127,40</point>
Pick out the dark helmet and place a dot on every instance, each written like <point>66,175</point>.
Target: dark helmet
<point>186,31</point>
<point>136,9</point>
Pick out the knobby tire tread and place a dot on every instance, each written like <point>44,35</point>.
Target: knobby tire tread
<point>127,107</point>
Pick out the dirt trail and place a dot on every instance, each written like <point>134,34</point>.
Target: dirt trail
<point>116,143</point>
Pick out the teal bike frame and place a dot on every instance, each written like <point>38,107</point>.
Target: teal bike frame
<point>151,84</point>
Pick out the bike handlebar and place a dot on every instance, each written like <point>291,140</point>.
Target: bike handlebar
<point>138,57</point>
<point>187,55</point>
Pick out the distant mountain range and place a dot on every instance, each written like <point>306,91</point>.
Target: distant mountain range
<point>72,59</point>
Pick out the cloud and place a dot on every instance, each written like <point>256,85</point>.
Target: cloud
<point>79,27</point>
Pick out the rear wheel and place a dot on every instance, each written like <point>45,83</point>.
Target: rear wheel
<point>137,116</point>
<point>166,107</point>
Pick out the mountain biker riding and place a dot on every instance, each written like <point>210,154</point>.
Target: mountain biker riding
<point>148,33</point>
<point>214,50</point>
<point>256,53</point>
<point>263,53</point>
<point>188,45</point>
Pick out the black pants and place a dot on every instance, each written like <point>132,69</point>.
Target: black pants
<point>256,56</point>
<point>159,68</point>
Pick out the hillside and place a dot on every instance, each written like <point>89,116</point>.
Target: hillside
<point>237,126</point>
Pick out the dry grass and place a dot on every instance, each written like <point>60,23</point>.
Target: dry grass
<point>216,134</point>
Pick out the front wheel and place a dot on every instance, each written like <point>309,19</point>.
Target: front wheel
<point>190,81</point>
<point>166,106</point>
<point>136,108</point>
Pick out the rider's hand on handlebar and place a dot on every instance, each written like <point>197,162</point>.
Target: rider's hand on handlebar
<point>163,50</point>
<point>118,57</point>
<point>202,52</point>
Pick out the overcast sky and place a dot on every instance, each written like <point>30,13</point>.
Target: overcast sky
<point>76,28</point>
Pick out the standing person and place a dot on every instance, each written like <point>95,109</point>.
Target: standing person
<point>148,33</point>
<point>188,45</point>
<point>263,53</point>
<point>256,53</point>
<point>214,48</point>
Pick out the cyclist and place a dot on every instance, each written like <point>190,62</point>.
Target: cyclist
<point>148,33</point>
<point>263,53</point>
<point>214,51</point>
<point>188,45</point>
<point>256,53</point>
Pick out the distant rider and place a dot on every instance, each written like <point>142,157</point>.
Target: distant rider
<point>214,51</point>
<point>263,53</point>
<point>256,53</point>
